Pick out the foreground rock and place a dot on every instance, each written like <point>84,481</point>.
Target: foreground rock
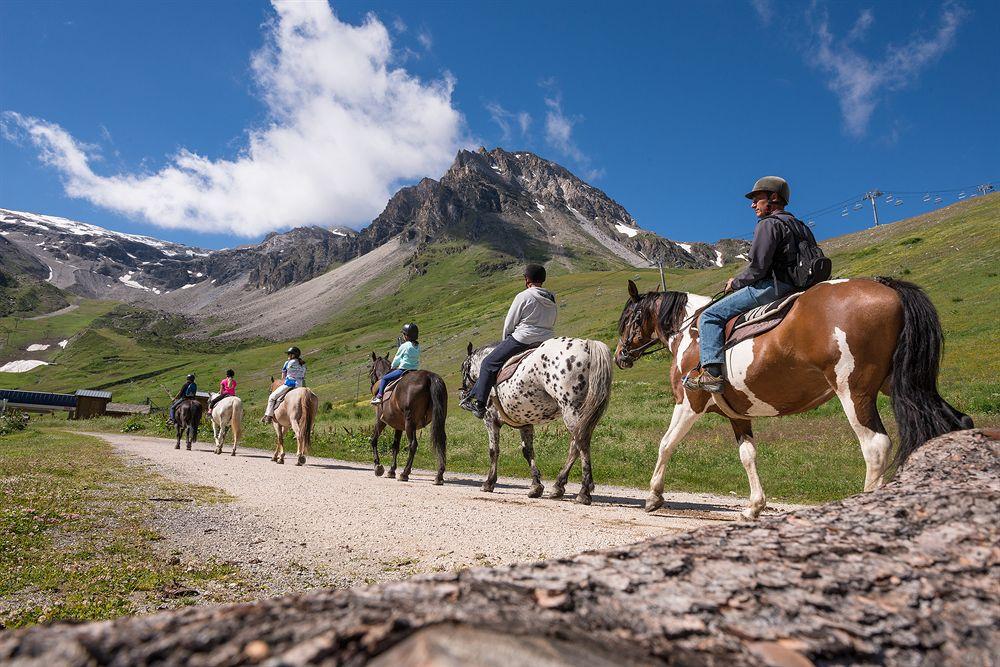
<point>905,575</point>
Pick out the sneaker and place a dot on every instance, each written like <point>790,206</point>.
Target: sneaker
<point>376,400</point>
<point>473,406</point>
<point>701,379</point>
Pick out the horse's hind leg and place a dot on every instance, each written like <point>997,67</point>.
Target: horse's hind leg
<point>681,422</point>
<point>411,437</point>
<point>559,488</point>
<point>587,481</point>
<point>376,434</point>
<point>493,429</point>
<point>862,413</point>
<point>396,436</point>
<point>180,429</point>
<point>528,450</point>
<point>748,457</point>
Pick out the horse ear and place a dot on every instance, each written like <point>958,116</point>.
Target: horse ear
<point>633,291</point>
<point>387,354</point>
<point>468,350</point>
<point>374,356</point>
<point>272,379</point>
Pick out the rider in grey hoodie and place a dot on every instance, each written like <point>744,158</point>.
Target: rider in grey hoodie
<point>530,321</point>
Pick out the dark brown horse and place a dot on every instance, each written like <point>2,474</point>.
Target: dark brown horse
<point>187,418</point>
<point>844,338</point>
<point>419,398</point>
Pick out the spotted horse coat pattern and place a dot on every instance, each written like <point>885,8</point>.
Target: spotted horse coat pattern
<point>563,377</point>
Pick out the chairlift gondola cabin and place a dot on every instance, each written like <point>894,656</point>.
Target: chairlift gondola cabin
<point>937,200</point>
<point>927,197</point>
<point>857,206</point>
<point>844,213</point>
<point>898,202</point>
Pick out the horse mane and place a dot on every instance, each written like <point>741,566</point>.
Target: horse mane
<point>668,316</point>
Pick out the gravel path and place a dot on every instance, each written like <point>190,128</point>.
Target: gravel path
<point>333,523</point>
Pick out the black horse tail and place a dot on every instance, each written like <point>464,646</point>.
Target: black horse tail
<point>439,412</point>
<point>921,413</point>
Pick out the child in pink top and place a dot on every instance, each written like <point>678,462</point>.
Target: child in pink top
<point>226,388</point>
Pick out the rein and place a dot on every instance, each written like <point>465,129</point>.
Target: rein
<point>635,354</point>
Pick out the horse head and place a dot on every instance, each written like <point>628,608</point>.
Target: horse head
<point>647,319</point>
<point>379,367</point>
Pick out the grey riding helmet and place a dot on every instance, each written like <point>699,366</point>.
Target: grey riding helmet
<point>775,184</point>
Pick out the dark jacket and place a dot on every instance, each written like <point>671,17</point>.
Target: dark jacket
<point>773,250</point>
<point>187,391</point>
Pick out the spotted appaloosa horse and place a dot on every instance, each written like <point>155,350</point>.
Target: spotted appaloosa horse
<point>187,418</point>
<point>568,377</point>
<point>844,338</point>
<point>418,398</point>
<point>297,413</point>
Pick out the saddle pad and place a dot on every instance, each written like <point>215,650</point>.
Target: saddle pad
<point>759,320</point>
<point>510,366</point>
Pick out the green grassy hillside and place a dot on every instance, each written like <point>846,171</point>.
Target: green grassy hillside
<point>952,252</point>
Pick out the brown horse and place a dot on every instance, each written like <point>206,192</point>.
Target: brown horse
<point>844,338</point>
<point>418,399</point>
<point>187,418</point>
<point>297,412</point>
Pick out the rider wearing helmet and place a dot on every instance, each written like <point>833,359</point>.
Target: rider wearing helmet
<point>766,279</point>
<point>293,375</point>
<point>407,359</point>
<point>531,320</point>
<point>189,390</point>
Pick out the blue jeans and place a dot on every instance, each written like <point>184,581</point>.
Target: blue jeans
<point>712,323</point>
<point>387,378</point>
<point>491,366</point>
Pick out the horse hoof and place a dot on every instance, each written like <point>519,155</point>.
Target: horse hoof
<point>189,448</point>
<point>536,491</point>
<point>487,488</point>
<point>379,471</point>
<point>654,503</point>
<point>218,451</point>
<point>301,461</point>
<point>177,446</point>
<point>749,514</point>
<point>439,481</point>
<point>281,461</point>
<point>404,477</point>
<point>557,494</point>
<point>233,454</point>
<point>582,499</point>
<point>391,474</point>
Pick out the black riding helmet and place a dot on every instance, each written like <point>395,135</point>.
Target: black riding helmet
<point>411,331</point>
<point>190,377</point>
<point>294,351</point>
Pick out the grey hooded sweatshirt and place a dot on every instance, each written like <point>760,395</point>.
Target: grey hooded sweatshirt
<point>532,316</point>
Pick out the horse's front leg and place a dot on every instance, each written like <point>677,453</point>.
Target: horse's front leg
<point>397,435</point>
<point>218,434</point>
<point>493,425</point>
<point>376,434</point>
<point>528,451</point>
<point>748,457</point>
<point>411,439</point>
<point>681,422</point>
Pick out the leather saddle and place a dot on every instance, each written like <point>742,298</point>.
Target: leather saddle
<point>758,320</point>
<point>392,385</point>
<point>511,365</point>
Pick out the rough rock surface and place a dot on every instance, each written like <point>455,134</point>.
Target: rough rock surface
<point>905,575</point>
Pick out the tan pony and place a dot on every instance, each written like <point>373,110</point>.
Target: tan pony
<point>296,412</point>
<point>845,338</point>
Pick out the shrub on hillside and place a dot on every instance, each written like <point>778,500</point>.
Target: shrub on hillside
<point>12,421</point>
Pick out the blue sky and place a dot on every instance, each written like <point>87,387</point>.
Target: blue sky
<point>212,123</point>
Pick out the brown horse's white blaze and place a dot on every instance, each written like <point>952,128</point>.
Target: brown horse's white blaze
<point>849,339</point>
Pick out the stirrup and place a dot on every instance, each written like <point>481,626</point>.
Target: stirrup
<point>703,381</point>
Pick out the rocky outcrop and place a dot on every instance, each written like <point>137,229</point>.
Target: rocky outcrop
<point>905,575</point>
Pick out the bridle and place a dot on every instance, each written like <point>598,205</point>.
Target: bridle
<point>634,354</point>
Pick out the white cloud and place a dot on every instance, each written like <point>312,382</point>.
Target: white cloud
<point>764,9</point>
<point>425,39</point>
<point>507,120</point>
<point>861,82</point>
<point>344,130</point>
<point>559,131</point>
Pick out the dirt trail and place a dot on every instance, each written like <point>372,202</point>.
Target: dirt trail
<point>335,523</point>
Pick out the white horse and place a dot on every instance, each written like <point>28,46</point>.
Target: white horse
<point>568,377</point>
<point>227,413</point>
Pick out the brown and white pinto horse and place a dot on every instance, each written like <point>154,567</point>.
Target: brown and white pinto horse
<point>844,338</point>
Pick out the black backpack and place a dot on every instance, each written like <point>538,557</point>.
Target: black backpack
<point>808,265</point>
